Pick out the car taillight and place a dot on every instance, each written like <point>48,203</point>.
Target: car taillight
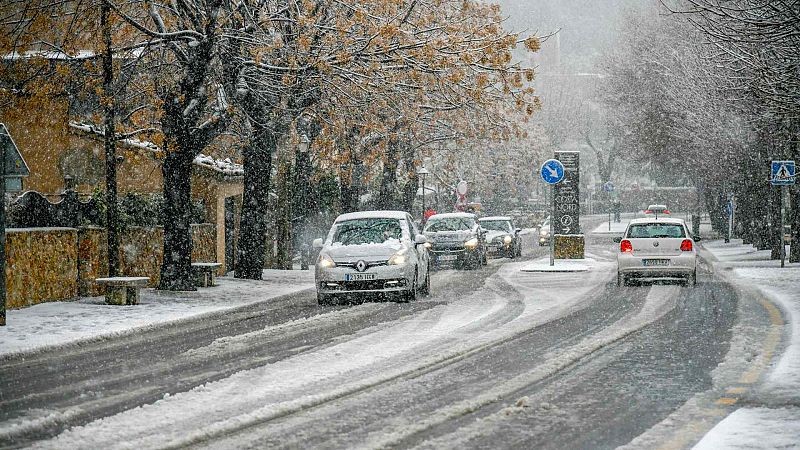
<point>686,245</point>
<point>647,211</point>
<point>666,211</point>
<point>626,246</point>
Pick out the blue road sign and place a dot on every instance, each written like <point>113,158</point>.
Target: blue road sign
<point>728,208</point>
<point>552,171</point>
<point>608,186</point>
<point>783,173</point>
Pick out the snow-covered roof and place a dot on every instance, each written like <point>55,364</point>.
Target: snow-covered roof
<point>494,218</point>
<point>372,215</point>
<point>221,166</point>
<point>456,214</point>
<point>659,219</point>
<point>130,142</point>
<point>62,56</point>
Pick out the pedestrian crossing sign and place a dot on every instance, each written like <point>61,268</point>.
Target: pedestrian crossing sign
<point>783,173</point>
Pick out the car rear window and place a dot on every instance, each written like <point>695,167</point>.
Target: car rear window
<point>656,230</point>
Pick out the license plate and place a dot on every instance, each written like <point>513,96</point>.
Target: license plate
<point>359,276</point>
<point>448,257</point>
<point>655,262</point>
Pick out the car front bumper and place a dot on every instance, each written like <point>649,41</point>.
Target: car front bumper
<point>386,279</point>
<point>452,255</point>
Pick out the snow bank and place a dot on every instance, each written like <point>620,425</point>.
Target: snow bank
<point>67,323</point>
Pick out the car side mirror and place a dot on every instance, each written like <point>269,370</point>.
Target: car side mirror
<point>518,230</point>
<point>420,239</point>
<point>617,240</point>
<point>697,238</point>
<point>317,243</point>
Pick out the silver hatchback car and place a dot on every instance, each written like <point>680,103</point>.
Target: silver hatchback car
<point>657,248</point>
<point>372,252</point>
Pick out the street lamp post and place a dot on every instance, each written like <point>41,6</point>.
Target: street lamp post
<point>422,172</point>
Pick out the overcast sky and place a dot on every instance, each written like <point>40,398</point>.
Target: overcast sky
<point>587,27</point>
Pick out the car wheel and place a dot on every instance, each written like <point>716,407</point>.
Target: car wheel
<point>426,288</point>
<point>411,294</point>
<point>484,259</point>
<point>621,280</point>
<point>519,251</point>
<point>324,299</point>
<point>692,279</point>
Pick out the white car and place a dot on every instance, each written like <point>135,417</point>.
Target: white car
<point>372,252</point>
<point>657,248</point>
<point>502,237</point>
<point>544,232</point>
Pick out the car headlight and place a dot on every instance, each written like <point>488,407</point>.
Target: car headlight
<point>507,239</point>
<point>325,262</point>
<point>472,243</point>
<point>543,232</point>
<point>398,259</point>
<point>428,245</point>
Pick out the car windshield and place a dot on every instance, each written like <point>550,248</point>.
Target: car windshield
<point>496,225</point>
<point>367,231</point>
<point>656,230</point>
<point>449,224</point>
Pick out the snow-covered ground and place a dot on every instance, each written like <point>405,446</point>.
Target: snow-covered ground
<point>756,427</point>
<point>509,303</point>
<point>615,228</point>
<point>66,323</point>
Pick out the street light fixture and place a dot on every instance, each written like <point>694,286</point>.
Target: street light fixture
<point>422,172</point>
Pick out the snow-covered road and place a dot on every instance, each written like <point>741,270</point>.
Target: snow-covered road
<point>488,353</point>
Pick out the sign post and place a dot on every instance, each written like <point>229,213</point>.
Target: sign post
<point>783,173</point>
<point>608,187</point>
<point>12,165</point>
<point>552,172</point>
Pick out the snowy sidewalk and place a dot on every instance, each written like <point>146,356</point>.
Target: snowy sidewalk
<point>64,323</point>
<point>764,426</point>
<point>615,228</point>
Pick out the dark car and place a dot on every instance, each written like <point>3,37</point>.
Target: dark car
<point>455,239</point>
<point>502,237</point>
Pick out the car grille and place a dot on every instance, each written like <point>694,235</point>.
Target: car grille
<point>352,264</point>
<point>368,285</point>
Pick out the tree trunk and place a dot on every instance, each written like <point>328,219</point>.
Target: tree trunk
<point>252,246</point>
<point>283,216</point>
<point>109,110</point>
<point>176,269</point>
<point>388,190</point>
<point>410,188</point>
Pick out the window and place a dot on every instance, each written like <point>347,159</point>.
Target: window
<point>367,231</point>
<point>656,230</point>
<point>450,224</point>
<point>497,225</point>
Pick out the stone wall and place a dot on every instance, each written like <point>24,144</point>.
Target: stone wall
<point>41,265</point>
<point>50,264</point>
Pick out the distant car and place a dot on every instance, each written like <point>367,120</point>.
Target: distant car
<point>455,239</point>
<point>372,252</point>
<point>544,232</point>
<point>657,210</point>
<point>656,248</point>
<point>502,237</point>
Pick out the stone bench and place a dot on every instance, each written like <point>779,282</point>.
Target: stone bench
<point>205,273</point>
<point>123,290</point>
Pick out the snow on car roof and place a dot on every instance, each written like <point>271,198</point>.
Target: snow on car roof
<point>372,215</point>
<point>658,206</point>
<point>657,220</point>
<point>446,215</point>
<point>494,218</point>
